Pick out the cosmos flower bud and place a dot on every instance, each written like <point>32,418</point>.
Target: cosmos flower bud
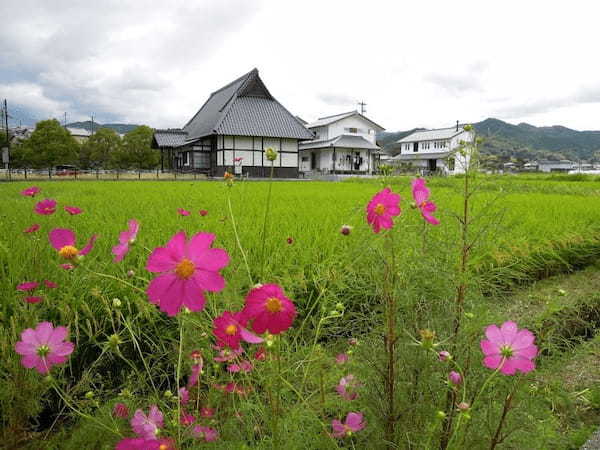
<point>120,410</point>
<point>346,230</point>
<point>463,406</point>
<point>269,340</point>
<point>469,315</point>
<point>130,273</point>
<point>340,306</point>
<point>440,414</point>
<point>353,341</point>
<point>95,292</point>
<point>116,302</point>
<point>427,337</point>
<point>271,154</point>
<point>89,395</point>
<point>444,356</point>
<point>455,378</point>
<point>113,341</point>
<point>168,394</point>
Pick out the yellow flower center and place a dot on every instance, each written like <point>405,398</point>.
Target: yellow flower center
<point>163,447</point>
<point>68,252</point>
<point>273,305</point>
<point>422,205</point>
<point>43,350</point>
<point>379,209</point>
<point>231,330</point>
<point>185,269</point>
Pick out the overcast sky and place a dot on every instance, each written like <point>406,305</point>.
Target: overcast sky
<point>419,63</point>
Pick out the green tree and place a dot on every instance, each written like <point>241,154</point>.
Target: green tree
<point>50,145</point>
<point>138,151</point>
<point>97,152</point>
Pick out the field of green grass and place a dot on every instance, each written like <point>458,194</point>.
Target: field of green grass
<point>524,229</point>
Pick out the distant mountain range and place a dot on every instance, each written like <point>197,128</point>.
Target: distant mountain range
<point>121,128</point>
<point>524,141</point>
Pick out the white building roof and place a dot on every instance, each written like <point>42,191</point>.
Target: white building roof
<point>328,120</point>
<point>431,135</point>
<point>422,155</point>
<point>79,132</point>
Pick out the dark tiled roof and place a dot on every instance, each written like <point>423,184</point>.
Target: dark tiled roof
<point>245,108</point>
<point>169,138</point>
<point>343,141</point>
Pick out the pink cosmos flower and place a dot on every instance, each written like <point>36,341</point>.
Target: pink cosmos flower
<point>125,238</point>
<point>28,286</point>
<point>270,309</point>
<point>50,284</point>
<point>342,358</point>
<point>33,299</point>
<point>509,348</point>
<point>206,433</point>
<point>346,387</point>
<point>186,419</point>
<point>31,191</point>
<point>383,206</point>
<point>194,375</point>
<point>73,210</point>
<point>230,329</point>
<point>120,410</point>
<point>32,229</point>
<point>182,212</point>
<point>67,266</point>
<point>45,207</point>
<point>147,426</point>
<point>261,354</point>
<point>226,354</point>
<point>455,378</point>
<point>187,269</point>
<point>421,197</point>
<point>203,212</point>
<point>44,347</point>
<point>63,240</point>
<point>238,159</point>
<point>243,366</point>
<point>184,395</point>
<point>141,443</point>
<point>207,413</point>
<point>354,422</point>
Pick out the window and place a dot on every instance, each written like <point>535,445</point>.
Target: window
<point>186,159</point>
<point>353,130</point>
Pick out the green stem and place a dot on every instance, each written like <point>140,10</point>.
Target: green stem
<point>237,237</point>
<point>177,375</point>
<point>264,230</point>
<point>137,346</point>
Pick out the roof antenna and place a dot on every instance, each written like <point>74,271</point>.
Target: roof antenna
<point>457,125</point>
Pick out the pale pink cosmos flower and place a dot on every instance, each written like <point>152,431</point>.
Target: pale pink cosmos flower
<point>242,366</point>
<point>50,284</point>
<point>120,410</point>
<point>207,412</point>
<point>32,299</point>
<point>63,240</point>
<point>342,358</point>
<point>67,266</point>
<point>226,354</point>
<point>269,309</point>
<point>184,395</point>
<point>509,349</point>
<point>183,212</point>
<point>31,191</point>
<point>186,419</point>
<point>206,433</point>
<point>28,286</point>
<point>187,269</point>
<point>230,330</point>
<point>455,378</point>
<point>45,207</point>
<point>73,210</point>
<point>146,426</point>
<point>44,347</point>
<point>32,229</point>
<point>383,206</point>
<point>194,375</point>
<point>126,238</point>
<point>354,422</point>
<point>203,212</point>
<point>420,194</point>
<point>346,387</point>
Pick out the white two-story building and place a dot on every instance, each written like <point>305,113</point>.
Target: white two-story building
<point>343,144</point>
<point>434,151</point>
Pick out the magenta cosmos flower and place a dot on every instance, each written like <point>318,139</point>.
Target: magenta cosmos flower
<point>31,191</point>
<point>354,422</point>
<point>45,207</point>
<point>146,426</point>
<point>206,433</point>
<point>187,270</point>
<point>269,309</point>
<point>44,347</point>
<point>382,207</point>
<point>230,329</point>
<point>63,240</point>
<point>203,212</point>
<point>183,212</point>
<point>73,210</point>
<point>145,444</point>
<point>509,348</point>
<point>125,238</point>
<point>420,194</point>
<point>32,229</point>
<point>347,387</point>
<point>120,410</point>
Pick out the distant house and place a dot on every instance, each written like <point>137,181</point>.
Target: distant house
<point>563,165</point>
<point>80,134</point>
<point>344,144</point>
<point>231,132</point>
<point>434,150</point>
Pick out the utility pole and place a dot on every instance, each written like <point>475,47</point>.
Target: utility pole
<point>5,149</point>
<point>65,119</point>
<point>362,105</point>
<point>92,132</point>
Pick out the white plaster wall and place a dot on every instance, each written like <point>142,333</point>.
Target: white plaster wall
<point>363,126</point>
<point>289,145</point>
<point>289,160</point>
<point>243,143</point>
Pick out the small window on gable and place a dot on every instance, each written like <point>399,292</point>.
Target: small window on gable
<point>353,130</point>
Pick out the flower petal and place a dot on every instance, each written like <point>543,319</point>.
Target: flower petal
<point>60,237</point>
